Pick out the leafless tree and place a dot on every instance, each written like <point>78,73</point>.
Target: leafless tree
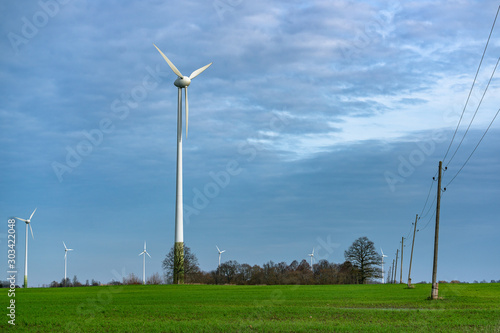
<point>191,269</point>
<point>132,279</point>
<point>154,279</point>
<point>365,258</point>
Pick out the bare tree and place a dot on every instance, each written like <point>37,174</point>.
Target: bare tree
<point>76,283</point>
<point>65,282</point>
<point>348,274</point>
<point>245,274</point>
<point>191,269</point>
<point>365,258</point>
<point>131,279</point>
<point>154,279</point>
<point>229,270</point>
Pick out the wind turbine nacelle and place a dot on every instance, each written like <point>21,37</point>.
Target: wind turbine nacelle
<point>182,82</point>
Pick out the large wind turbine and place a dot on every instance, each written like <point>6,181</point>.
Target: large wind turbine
<point>383,256</point>
<point>312,258</point>
<point>144,263</point>
<point>181,82</point>
<point>28,221</point>
<point>220,252</point>
<point>65,261</point>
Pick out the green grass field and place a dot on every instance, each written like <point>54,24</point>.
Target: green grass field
<point>202,308</point>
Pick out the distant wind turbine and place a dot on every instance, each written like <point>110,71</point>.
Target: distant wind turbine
<point>65,261</point>
<point>383,256</point>
<point>220,252</point>
<point>181,82</point>
<point>144,263</point>
<point>28,221</point>
<point>312,258</point>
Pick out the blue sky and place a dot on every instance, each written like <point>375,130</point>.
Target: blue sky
<point>319,122</point>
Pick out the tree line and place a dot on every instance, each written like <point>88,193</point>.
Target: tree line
<point>361,265</point>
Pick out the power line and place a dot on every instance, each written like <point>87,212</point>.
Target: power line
<point>463,137</point>
<point>430,219</point>
<point>481,101</point>
<point>472,87</point>
<point>468,158</point>
<point>409,233</point>
<point>430,207</point>
<point>428,194</point>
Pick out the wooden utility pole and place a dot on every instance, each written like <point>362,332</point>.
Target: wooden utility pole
<point>401,268</point>
<point>396,267</point>
<point>434,292</point>
<point>392,271</point>
<point>411,255</point>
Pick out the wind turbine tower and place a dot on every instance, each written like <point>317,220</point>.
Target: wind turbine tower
<point>28,221</point>
<point>65,261</point>
<point>220,252</point>
<point>182,82</point>
<point>312,259</point>
<point>144,263</point>
<point>383,256</point>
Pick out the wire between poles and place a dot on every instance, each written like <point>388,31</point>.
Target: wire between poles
<point>472,87</point>
<point>468,158</point>
<point>429,221</point>
<point>427,199</point>
<point>480,102</point>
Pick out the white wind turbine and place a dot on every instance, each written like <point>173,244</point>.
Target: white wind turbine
<point>181,82</point>
<point>312,258</point>
<point>65,261</point>
<point>144,263</point>
<point>383,256</point>
<point>220,252</point>
<point>28,221</point>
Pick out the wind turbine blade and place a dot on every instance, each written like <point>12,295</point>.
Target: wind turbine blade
<point>198,71</point>
<point>21,219</point>
<point>222,251</point>
<point>148,254</point>
<point>32,214</point>
<point>144,245</point>
<point>217,248</point>
<point>187,110</point>
<point>31,229</point>
<point>174,69</point>
<point>65,246</point>
<point>141,253</point>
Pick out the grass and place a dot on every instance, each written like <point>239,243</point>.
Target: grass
<point>201,308</point>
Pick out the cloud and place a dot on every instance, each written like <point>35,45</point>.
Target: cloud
<point>314,102</point>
